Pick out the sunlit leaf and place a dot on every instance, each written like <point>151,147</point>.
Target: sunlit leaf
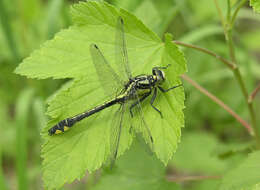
<point>86,146</point>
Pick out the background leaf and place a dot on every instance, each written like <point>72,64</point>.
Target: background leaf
<point>245,176</point>
<point>187,158</point>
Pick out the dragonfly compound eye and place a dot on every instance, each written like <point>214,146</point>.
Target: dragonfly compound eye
<point>160,76</point>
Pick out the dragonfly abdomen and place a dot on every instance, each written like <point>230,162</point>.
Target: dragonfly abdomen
<point>66,124</point>
<point>62,126</point>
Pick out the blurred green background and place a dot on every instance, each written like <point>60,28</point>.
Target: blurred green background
<point>209,130</point>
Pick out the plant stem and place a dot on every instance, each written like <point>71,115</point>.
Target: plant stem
<point>237,75</point>
<point>211,96</point>
<point>228,34</point>
<point>220,14</point>
<point>219,102</point>
<point>253,94</point>
<point>241,4</point>
<point>3,185</point>
<point>223,60</point>
<point>230,45</point>
<point>190,178</point>
<point>231,64</point>
<point>228,10</point>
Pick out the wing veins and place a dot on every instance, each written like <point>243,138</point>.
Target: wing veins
<point>108,78</point>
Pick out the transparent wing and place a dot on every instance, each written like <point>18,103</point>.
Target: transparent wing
<point>140,124</point>
<point>121,51</point>
<point>116,130</point>
<point>142,143</point>
<point>108,78</point>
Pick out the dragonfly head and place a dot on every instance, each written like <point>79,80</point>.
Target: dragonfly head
<point>158,75</point>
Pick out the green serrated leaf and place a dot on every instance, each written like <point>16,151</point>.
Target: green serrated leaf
<point>246,176</point>
<point>256,5</point>
<point>86,146</point>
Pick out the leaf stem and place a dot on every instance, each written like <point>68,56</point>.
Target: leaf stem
<point>230,45</point>
<point>228,10</point>
<point>253,94</point>
<point>3,181</point>
<point>220,14</point>
<point>219,102</point>
<point>241,4</point>
<point>223,60</point>
<point>190,178</point>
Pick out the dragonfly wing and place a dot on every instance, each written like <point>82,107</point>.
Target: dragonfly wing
<point>115,134</point>
<point>141,125</point>
<point>121,51</point>
<point>110,81</point>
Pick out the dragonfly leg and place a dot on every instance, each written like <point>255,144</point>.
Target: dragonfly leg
<point>166,90</point>
<point>152,101</point>
<point>139,101</point>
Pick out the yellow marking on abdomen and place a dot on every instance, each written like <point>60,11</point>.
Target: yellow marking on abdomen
<point>66,128</point>
<point>58,132</point>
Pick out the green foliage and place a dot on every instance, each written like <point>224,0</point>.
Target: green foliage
<point>157,15</point>
<point>23,108</point>
<point>8,31</point>
<point>188,159</point>
<point>86,146</point>
<point>206,185</point>
<point>245,176</point>
<point>256,5</point>
<point>54,9</point>
<point>2,178</point>
<point>218,146</point>
<point>136,170</point>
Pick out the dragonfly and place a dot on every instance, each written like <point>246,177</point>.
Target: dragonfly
<point>128,91</point>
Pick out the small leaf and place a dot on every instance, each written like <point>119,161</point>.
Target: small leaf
<point>256,5</point>
<point>246,176</point>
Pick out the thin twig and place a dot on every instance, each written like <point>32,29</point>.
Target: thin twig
<point>190,178</point>
<point>241,4</point>
<point>220,14</point>
<point>253,94</point>
<point>229,39</point>
<point>219,102</point>
<point>223,60</point>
